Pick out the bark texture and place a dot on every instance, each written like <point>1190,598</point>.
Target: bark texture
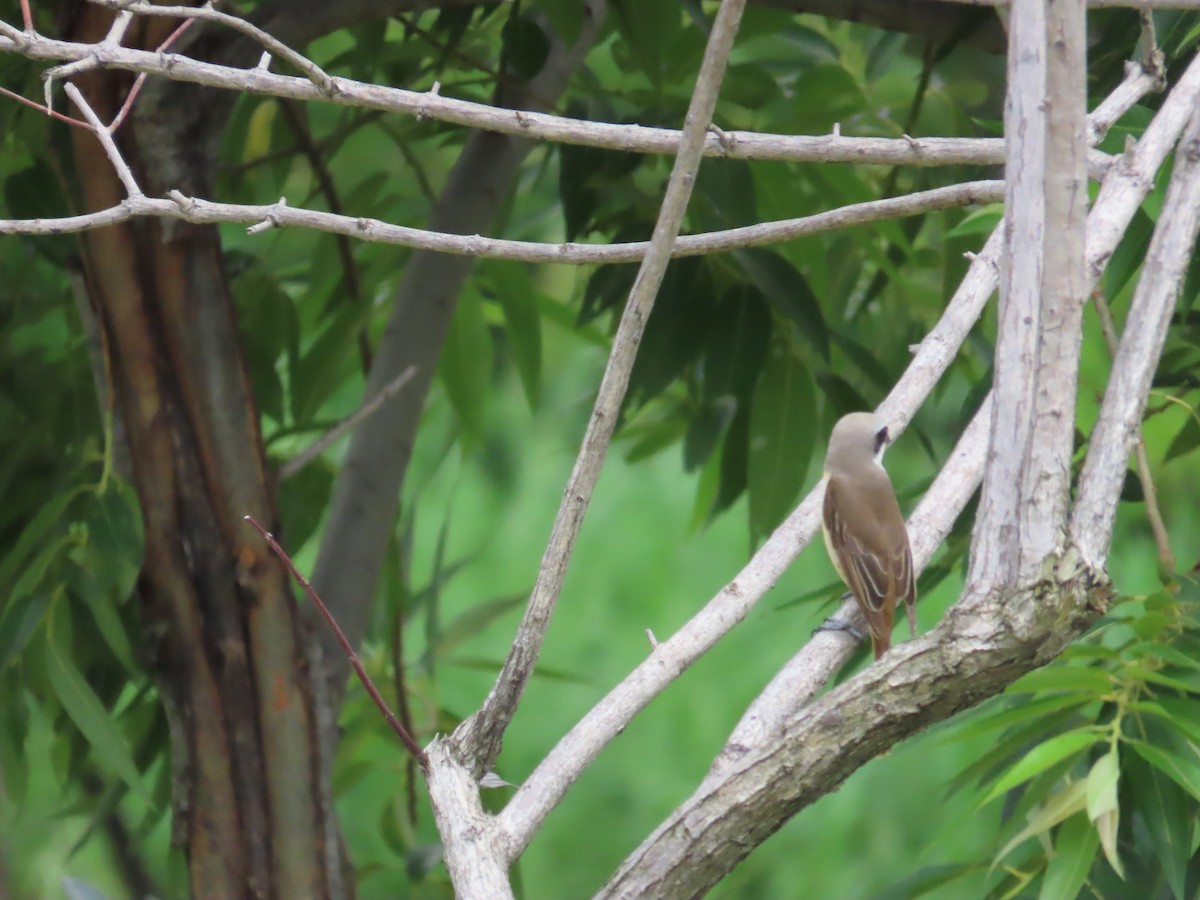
<point>223,632</point>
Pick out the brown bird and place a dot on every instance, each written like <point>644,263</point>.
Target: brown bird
<point>864,530</point>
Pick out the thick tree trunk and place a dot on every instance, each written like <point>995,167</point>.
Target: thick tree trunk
<point>224,637</point>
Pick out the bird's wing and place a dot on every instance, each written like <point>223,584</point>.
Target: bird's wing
<point>878,570</point>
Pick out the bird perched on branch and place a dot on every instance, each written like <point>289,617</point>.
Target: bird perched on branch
<point>864,530</point>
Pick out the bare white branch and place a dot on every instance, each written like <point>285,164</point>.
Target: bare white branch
<point>542,790</point>
<point>825,654</point>
<point>1062,291</point>
<point>1124,189</point>
<point>1117,429</point>
<point>280,215</point>
<point>106,141</point>
<point>367,488</point>
<point>482,733</point>
<point>1137,83</point>
<point>1034,409</point>
<point>1132,176</point>
<point>524,123</point>
<point>982,645</point>
<point>206,13</point>
<point>1100,4</point>
<point>475,852</point>
<point>1023,506</point>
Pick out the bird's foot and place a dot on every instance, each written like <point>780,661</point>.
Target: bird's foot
<point>832,624</point>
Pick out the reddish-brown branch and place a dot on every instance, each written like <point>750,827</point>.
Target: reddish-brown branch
<point>43,108</point>
<point>141,79</point>
<point>409,742</point>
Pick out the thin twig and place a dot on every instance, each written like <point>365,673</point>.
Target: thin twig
<point>400,687</point>
<point>406,739</point>
<point>106,141</point>
<point>278,215</point>
<point>299,61</point>
<point>329,144</point>
<point>42,108</point>
<point>344,427</point>
<point>1162,538</point>
<point>1153,59</point>
<point>138,82</point>
<point>298,122</point>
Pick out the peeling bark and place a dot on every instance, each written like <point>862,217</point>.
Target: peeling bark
<point>223,631</point>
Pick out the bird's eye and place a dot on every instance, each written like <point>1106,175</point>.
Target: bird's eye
<point>881,439</point>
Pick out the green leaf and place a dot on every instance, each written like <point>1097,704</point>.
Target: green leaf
<point>1027,710</point>
<point>788,292</point>
<point>737,343</point>
<point>705,430</point>
<point>1182,715</point>
<point>1065,803</point>
<point>735,456</point>
<point>327,363</point>
<point>648,30</point>
<point>781,439</point>
<point>1041,758</point>
<point>19,623</point>
<point>48,517</point>
<point>1180,683</point>
<point>109,562</point>
<point>1129,254</point>
<point>1074,850</point>
<point>1163,651</point>
<point>1102,807</point>
<point>1185,772</point>
<point>1168,815</point>
<point>867,362</point>
<point>475,620</point>
<point>1009,748</point>
<point>1102,785</point>
<point>653,432</point>
<point>91,718</point>
<point>303,499</point>
<point>35,572</point>
<point>608,288</point>
<point>102,607</point>
<point>676,330</point>
<point>492,666</point>
<point>830,94</point>
<point>1186,439</point>
<point>841,397</point>
<point>465,367</point>
<point>516,292</point>
<point>724,195</point>
<point>1063,678</point>
<point>270,333</point>
<point>526,45</point>
<point>115,525</point>
<point>569,321</point>
<point>927,880</point>
<point>565,16</point>
<point>979,221</point>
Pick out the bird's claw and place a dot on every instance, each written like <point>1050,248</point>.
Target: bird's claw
<point>832,624</point>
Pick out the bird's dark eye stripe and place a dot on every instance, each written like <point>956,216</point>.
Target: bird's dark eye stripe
<point>881,438</point>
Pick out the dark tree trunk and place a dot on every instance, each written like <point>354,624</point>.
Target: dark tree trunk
<point>225,640</point>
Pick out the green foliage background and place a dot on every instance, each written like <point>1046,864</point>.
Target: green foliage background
<point>748,359</point>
